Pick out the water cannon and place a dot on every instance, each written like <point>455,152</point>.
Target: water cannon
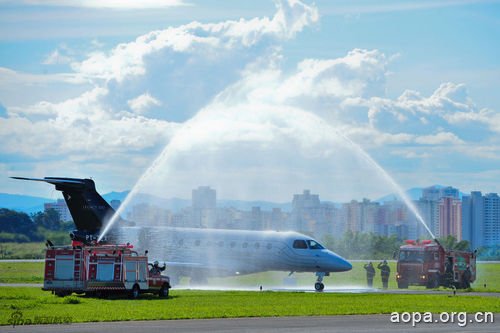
<point>437,242</point>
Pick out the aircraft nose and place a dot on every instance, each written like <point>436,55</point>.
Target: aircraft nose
<point>338,263</point>
<point>344,265</point>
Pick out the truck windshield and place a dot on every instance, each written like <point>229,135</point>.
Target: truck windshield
<point>411,256</point>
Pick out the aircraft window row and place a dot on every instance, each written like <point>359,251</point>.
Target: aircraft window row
<point>197,242</point>
<point>309,244</point>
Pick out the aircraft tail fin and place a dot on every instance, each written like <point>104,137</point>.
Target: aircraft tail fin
<point>89,210</point>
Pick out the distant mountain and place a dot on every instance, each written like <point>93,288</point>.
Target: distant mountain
<point>23,203</point>
<point>413,193</point>
<point>30,204</point>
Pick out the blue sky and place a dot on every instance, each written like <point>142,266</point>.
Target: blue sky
<point>89,89</point>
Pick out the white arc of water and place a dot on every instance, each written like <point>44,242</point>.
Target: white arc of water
<point>390,180</point>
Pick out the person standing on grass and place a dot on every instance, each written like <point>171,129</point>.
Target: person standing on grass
<point>385,271</point>
<point>370,273</point>
<point>466,277</point>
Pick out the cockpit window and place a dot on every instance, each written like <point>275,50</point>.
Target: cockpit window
<point>313,245</point>
<point>299,244</point>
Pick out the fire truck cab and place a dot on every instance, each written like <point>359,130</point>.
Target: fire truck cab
<point>101,270</point>
<point>427,263</point>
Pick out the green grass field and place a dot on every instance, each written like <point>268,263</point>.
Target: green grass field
<point>29,272</point>
<point>32,250</point>
<point>183,304</point>
<point>21,272</point>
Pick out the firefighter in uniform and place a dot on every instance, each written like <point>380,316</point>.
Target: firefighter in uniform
<point>448,271</point>
<point>385,271</point>
<point>156,269</point>
<point>370,273</point>
<point>466,277</point>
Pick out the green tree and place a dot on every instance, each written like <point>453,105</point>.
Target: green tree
<point>49,219</point>
<point>450,243</point>
<point>363,245</point>
<point>14,222</point>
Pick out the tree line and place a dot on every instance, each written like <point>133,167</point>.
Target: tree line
<point>20,227</point>
<point>365,246</point>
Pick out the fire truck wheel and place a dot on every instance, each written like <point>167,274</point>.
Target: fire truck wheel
<point>163,291</point>
<point>402,285</point>
<point>433,283</point>
<point>62,293</point>
<point>136,291</point>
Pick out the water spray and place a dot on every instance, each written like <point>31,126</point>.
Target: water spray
<point>391,181</point>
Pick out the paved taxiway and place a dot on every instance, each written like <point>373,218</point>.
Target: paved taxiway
<point>355,323</point>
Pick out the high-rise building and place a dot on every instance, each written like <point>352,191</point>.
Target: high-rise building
<point>370,217</point>
<point>61,207</point>
<point>429,211</point>
<point>352,216</point>
<point>450,217</point>
<point>429,206</point>
<point>204,200</point>
<point>481,219</point>
<point>145,214</point>
<point>491,219</point>
<point>310,215</point>
<point>473,219</point>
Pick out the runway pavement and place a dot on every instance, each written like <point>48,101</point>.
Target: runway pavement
<point>354,323</point>
<point>351,290</point>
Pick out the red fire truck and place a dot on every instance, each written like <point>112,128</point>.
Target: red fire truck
<point>427,263</point>
<point>101,270</point>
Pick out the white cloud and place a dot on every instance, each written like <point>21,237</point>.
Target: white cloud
<point>128,59</point>
<point>80,125</point>
<point>56,58</point>
<point>409,154</point>
<point>255,115</point>
<point>9,76</point>
<point>142,103</point>
<point>357,8</point>
<point>439,139</point>
<point>112,4</point>
<point>20,89</point>
<point>96,124</point>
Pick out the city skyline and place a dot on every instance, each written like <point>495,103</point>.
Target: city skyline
<point>259,98</point>
<point>474,217</point>
<point>414,193</point>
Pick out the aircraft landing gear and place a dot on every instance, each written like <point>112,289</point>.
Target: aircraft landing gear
<point>319,286</point>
